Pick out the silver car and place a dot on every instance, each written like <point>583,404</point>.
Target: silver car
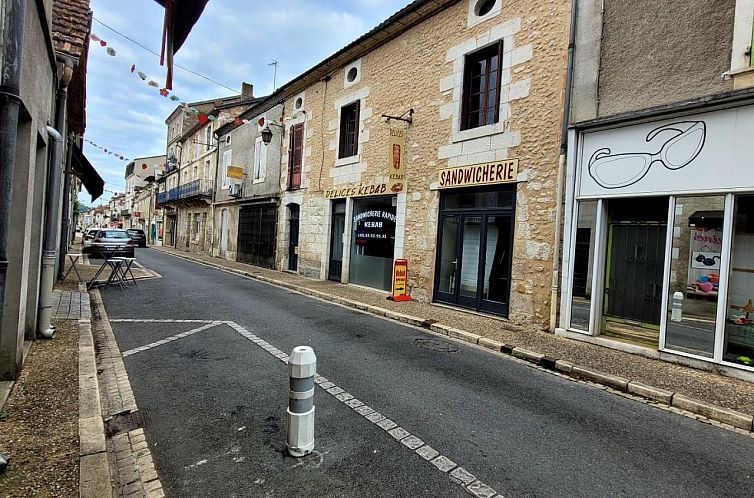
<point>110,242</point>
<point>89,234</point>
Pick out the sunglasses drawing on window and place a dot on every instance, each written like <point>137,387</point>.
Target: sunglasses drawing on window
<point>621,170</point>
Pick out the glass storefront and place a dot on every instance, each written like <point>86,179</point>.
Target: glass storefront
<point>583,266</point>
<point>373,242</point>
<point>739,323</point>
<point>474,252</point>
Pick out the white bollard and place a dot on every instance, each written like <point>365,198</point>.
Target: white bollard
<point>302,365</point>
<point>677,310</point>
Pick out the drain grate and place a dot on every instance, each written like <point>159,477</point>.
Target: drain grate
<point>125,422</point>
<point>436,345</point>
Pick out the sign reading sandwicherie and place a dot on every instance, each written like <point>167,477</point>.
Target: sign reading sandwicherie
<point>479,174</point>
<point>356,191</point>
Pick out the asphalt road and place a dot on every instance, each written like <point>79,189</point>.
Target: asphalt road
<point>216,405</point>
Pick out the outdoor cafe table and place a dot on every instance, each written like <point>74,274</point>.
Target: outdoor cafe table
<point>115,265</point>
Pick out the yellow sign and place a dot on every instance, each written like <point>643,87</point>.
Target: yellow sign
<point>396,153</point>
<point>235,172</point>
<point>357,191</point>
<point>479,174</point>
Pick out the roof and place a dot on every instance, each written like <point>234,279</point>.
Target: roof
<point>71,20</point>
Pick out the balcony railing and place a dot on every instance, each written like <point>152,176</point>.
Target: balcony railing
<point>195,189</point>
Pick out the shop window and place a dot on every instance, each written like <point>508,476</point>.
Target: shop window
<point>349,130</point>
<point>372,242</point>
<point>481,87</point>
<point>583,269</point>
<point>295,155</point>
<point>695,274</point>
<point>487,198</point>
<point>739,324</point>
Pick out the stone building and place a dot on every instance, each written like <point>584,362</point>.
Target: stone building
<point>137,171</point>
<point>658,237</point>
<point>248,194</point>
<point>187,187</point>
<point>435,138</point>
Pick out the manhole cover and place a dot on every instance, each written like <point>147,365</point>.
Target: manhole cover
<point>125,422</point>
<point>436,345</point>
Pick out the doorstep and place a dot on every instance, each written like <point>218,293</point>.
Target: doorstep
<point>707,394</point>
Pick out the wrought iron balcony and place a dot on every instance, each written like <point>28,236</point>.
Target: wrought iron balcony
<point>191,190</point>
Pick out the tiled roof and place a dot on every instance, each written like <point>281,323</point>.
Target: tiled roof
<point>70,26</point>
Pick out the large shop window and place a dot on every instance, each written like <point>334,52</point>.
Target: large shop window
<point>481,87</point>
<point>695,274</point>
<point>739,325</point>
<point>373,242</point>
<point>583,265</point>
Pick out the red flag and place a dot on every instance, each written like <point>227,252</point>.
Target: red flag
<point>237,122</point>
<point>203,118</point>
<point>133,68</point>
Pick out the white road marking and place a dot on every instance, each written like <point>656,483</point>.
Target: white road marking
<point>169,339</point>
<point>407,440</point>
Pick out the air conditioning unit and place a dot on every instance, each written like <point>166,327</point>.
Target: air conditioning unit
<point>234,190</point>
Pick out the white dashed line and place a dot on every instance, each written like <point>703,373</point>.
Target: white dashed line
<point>407,440</point>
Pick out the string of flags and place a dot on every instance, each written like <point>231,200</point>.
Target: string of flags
<point>134,70</point>
<point>107,151</point>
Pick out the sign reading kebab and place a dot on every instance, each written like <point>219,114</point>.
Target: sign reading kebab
<point>479,174</point>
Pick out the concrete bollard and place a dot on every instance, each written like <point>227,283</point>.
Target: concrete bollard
<point>302,365</point>
<point>677,309</point>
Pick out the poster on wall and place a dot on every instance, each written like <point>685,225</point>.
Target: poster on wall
<point>701,152</point>
<point>705,247</point>
<point>396,165</point>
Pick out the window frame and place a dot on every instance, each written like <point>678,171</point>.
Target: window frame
<point>470,59</point>
<point>345,149</point>
<point>295,155</point>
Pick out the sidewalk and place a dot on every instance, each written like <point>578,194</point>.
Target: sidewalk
<point>707,394</point>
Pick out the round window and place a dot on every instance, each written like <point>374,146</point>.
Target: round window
<point>352,74</point>
<point>299,103</point>
<point>483,7</point>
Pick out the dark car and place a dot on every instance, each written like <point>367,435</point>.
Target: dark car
<point>112,242</point>
<point>138,236</point>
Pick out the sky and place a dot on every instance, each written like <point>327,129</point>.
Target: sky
<point>233,41</point>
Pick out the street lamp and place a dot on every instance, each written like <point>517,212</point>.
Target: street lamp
<point>267,132</point>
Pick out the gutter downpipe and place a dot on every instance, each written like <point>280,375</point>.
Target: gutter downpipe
<point>52,204</point>
<point>10,103</point>
<point>66,216</point>
<point>561,168</point>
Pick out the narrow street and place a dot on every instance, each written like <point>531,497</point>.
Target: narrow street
<point>215,403</point>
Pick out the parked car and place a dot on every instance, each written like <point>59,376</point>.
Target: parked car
<point>112,242</point>
<point>89,234</point>
<point>138,235</point>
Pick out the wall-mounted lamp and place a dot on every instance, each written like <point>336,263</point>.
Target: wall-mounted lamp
<point>267,132</point>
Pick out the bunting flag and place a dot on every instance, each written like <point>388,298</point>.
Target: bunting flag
<point>165,92</point>
<point>106,151</point>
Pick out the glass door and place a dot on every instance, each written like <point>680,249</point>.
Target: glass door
<point>336,241</point>
<point>474,261</point>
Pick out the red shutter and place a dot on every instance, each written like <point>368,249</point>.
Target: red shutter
<point>296,153</point>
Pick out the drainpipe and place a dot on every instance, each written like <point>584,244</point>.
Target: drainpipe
<point>10,103</point>
<point>52,201</point>
<point>561,169</point>
<point>64,226</point>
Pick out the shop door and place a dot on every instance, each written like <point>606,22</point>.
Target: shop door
<point>474,262</point>
<point>633,286</point>
<point>336,241</point>
<point>293,211</point>
<point>256,235</point>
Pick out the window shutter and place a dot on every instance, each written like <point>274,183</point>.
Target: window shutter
<point>262,160</point>
<point>296,155</point>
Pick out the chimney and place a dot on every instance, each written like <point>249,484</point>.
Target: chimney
<point>247,91</point>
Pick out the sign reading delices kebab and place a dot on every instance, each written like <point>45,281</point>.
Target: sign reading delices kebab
<point>396,168</point>
<point>358,191</point>
<point>479,174</point>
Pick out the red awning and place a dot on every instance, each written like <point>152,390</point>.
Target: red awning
<point>180,17</point>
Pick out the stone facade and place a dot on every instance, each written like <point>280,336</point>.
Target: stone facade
<point>422,69</point>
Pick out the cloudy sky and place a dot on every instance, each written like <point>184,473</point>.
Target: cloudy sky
<point>233,41</point>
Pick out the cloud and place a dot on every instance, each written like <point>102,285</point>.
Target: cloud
<point>233,41</point>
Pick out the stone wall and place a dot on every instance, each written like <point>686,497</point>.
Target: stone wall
<point>422,70</point>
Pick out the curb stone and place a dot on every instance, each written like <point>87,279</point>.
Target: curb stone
<point>714,412</point>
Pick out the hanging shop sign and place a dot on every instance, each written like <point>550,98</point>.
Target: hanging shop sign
<point>400,281</point>
<point>234,172</point>
<point>396,169</point>
<point>479,174</point>
<point>357,191</point>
